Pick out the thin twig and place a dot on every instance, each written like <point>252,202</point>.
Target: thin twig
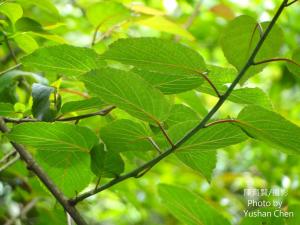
<point>10,69</point>
<point>7,156</point>
<point>164,132</point>
<point>12,53</point>
<point>276,60</point>
<point>221,121</point>
<point>200,126</point>
<point>211,84</point>
<point>9,163</point>
<point>102,112</point>
<point>150,139</point>
<point>44,178</point>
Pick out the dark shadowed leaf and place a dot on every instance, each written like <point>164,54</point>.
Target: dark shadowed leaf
<point>41,102</point>
<point>105,163</point>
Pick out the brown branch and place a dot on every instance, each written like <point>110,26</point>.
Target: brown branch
<point>201,125</point>
<point>44,178</point>
<point>277,60</point>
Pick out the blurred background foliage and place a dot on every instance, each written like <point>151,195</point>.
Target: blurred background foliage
<point>28,24</point>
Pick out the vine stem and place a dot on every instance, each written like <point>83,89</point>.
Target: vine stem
<point>202,124</point>
<point>44,178</point>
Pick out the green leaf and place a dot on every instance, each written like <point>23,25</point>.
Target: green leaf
<point>63,59</point>
<point>166,65</point>
<point>12,10</point>
<point>198,152</point>
<point>251,96</point>
<point>295,69</point>
<point>41,102</point>
<point>246,96</point>
<point>6,109</point>
<point>245,31</point>
<point>189,208</point>
<point>45,5</point>
<point>81,105</point>
<point>106,14</point>
<point>126,135</point>
<point>180,113</point>
<point>26,24</point>
<point>207,139</point>
<point>105,163</point>
<point>270,127</point>
<point>128,92</point>
<point>162,24</point>
<point>62,150</point>
<point>26,42</point>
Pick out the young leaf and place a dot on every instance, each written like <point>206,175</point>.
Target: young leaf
<point>189,208</point>
<point>41,102</point>
<point>105,163</point>
<point>126,135</point>
<point>6,109</point>
<point>74,106</point>
<point>128,92</point>
<point>270,127</point>
<point>162,24</point>
<point>12,10</point>
<point>62,150</point>
<point>63,59</point>
<point>245,31</point>
<point>45,5</point>
<point>169,66</point>
<point>26,42</point>
<point>106,14</point>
